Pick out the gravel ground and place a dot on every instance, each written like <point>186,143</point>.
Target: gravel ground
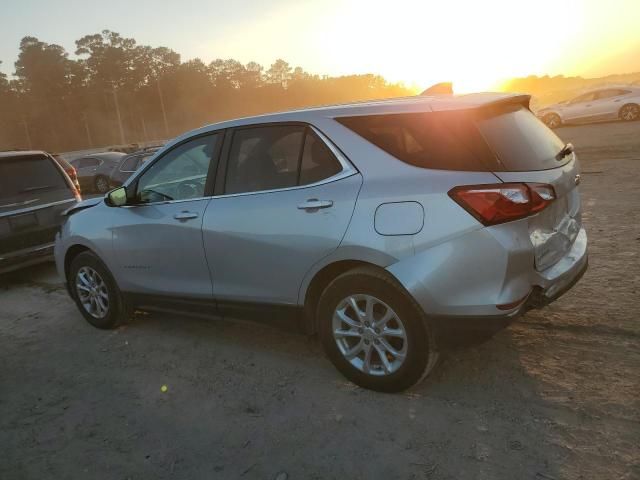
<point>555,396</point>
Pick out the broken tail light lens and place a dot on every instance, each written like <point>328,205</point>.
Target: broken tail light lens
<point>503,202</point>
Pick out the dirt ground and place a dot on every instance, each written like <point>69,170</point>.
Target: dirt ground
<point>555,396</point>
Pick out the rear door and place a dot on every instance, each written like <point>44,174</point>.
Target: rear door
<point>528,152</point>
<point>608,103</point>
<point>34,191</point>
<point>286,198</point>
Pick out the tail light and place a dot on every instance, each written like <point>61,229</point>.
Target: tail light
<point>503,202</point>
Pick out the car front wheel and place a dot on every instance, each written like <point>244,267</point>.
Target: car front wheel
<point>552,120</point>
<point>630,112</point>
<point>95,291</point>
<point>102,184</point>
<point>374,332</point>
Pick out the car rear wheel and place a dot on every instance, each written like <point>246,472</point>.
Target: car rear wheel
<point>374,332</point>
<point>552,120</point>
<point>630,112</point>
<point>102,184</point>
<point>95,291</point>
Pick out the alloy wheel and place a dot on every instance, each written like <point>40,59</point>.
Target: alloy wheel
<point>630,112</point>
<point>552,121</point>
<point>369,334</point>
<point>92,292</point>
<point>102,185</point>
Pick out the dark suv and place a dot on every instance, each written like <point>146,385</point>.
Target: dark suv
<point>34,191</point>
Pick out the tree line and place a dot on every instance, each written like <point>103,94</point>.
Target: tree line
<point>118,91</point>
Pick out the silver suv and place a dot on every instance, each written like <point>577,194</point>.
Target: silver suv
<point>388,228</point>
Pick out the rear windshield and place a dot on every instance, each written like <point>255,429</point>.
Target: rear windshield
<point>521,141</point>
<point>27,176</point>
<point>508,139</point>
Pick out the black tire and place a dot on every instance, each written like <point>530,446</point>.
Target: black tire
<point>629,112</point>
<point>552,120</point>
<point>116,311</point>
<point>421,353</point>
<point>101,184</point>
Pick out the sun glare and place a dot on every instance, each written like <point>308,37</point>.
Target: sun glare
<point>473,44</point>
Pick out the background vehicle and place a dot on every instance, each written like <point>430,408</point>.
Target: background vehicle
<point>69,170</point>
<point>34,191</point>
<point>611,103</point>
<point>386,227</point>
<point>94,170</point>
<point>129,164</point>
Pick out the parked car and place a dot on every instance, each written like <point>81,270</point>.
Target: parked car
<point>128,165</point>
<point>385,227</point>
<point>68,168</point>
<point>34,191</point>
<point>94,170</point>
<point>611,103</point>
<point>130,148</point>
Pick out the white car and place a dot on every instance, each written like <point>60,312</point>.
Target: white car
<point>611,103</point>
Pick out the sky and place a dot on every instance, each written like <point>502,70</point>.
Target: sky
<point>474,43</point>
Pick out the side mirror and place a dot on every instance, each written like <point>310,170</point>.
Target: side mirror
<point>116,197</point>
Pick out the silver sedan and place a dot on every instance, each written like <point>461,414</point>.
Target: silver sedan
<point>605,104</point>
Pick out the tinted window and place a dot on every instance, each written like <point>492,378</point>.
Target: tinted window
<point>32,177</point>
<point>521,141</point>
<point>88,162</point>
<point>587,97</point>
<point>611,93</point>
<point>444,140</point>
<point>505,139</point>
<point>264,158</point>
<point>179,174</point>
<point>318,162</point>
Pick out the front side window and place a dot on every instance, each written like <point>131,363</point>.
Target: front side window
<point>275,157</point>
<point>180,174</point>
<point>89,162</point>
<point>587,97</point>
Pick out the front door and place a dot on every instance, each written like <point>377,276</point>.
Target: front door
<point>158,239</point>
<point>579,109</point>
<point>287,201</point>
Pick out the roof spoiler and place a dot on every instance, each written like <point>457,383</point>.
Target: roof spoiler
<point>442,88</point>
<point>519,99</point>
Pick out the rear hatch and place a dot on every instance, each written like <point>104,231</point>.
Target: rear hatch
<point>34,191</point>
<point>527,151</point>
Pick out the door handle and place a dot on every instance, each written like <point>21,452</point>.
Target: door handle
<point>185,215</point>
<point>315,204</point>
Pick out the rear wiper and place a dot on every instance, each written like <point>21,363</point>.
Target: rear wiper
<point>566,150</point>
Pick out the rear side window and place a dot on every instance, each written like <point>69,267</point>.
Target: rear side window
<point>28,176</point>
<point>276,157</point>
<point>503,139</point>
<point>443,141</point>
